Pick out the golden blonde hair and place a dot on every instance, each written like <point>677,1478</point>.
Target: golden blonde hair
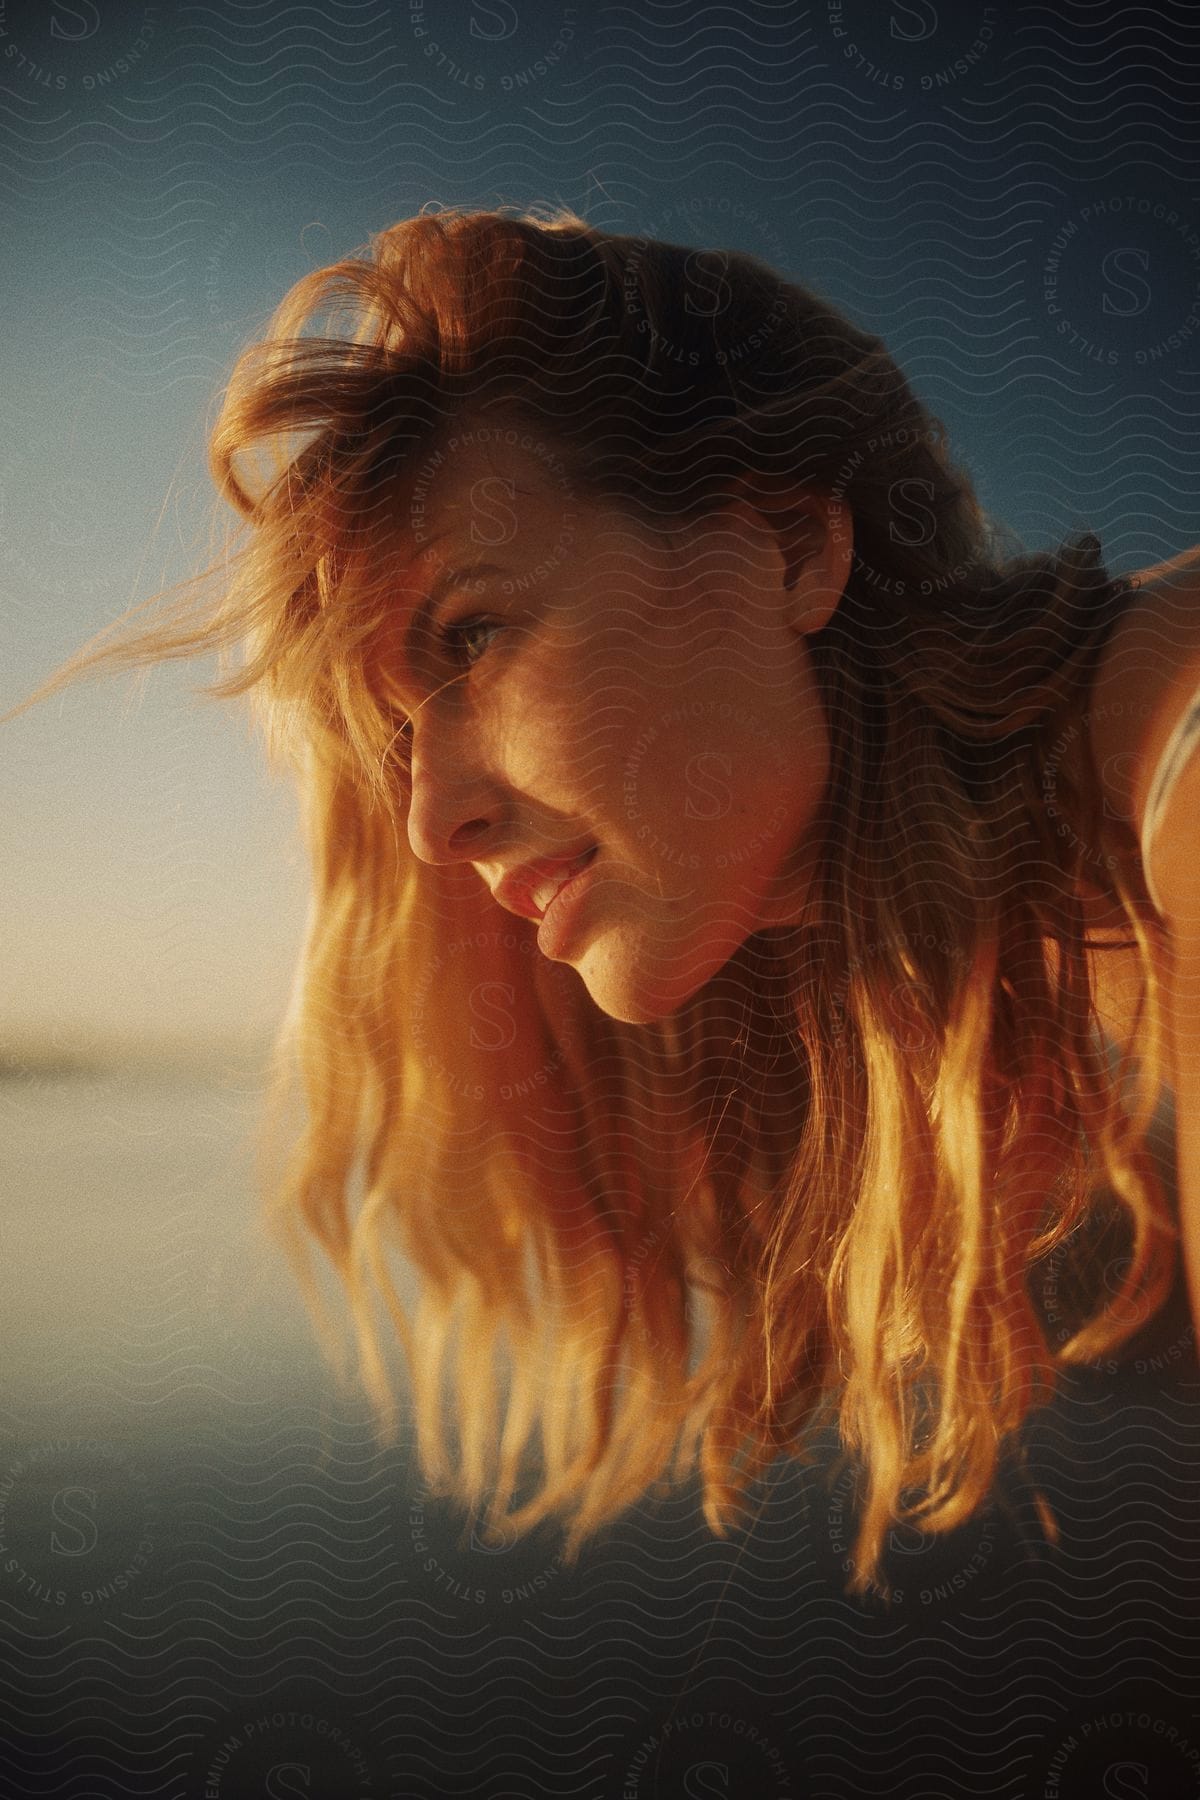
<point>596,1303</point>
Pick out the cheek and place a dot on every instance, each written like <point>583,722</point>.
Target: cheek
<point>549,741</point>
<point>734,781</point>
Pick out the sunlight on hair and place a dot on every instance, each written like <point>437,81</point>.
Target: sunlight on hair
<point>658,1264</point>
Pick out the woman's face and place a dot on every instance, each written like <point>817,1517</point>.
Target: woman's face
<point>640,691</point>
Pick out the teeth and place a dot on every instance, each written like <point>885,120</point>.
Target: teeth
<point>545,892</point>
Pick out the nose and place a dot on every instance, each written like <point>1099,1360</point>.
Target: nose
<point>450,814</point>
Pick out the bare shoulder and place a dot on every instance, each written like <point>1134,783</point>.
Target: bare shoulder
<point>1147,677</point>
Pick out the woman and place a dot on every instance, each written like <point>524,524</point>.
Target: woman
<point>706,823</point>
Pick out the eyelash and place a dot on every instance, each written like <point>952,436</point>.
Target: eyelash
<point>450,634</point>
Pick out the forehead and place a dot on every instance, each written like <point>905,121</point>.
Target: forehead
<point>506,494</point>
<point>494,494</point>
<point>489,484</point>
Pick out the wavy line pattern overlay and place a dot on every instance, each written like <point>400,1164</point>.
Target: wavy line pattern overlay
<point>214,1583</point>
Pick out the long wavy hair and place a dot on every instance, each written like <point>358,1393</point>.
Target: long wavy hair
<point>622,1259</point>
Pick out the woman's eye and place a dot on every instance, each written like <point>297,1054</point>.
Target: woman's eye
<point>453,637</point>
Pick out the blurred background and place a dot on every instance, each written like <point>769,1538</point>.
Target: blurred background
<point>213,1581</point>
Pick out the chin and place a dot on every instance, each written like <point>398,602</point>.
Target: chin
<point>632,985</point>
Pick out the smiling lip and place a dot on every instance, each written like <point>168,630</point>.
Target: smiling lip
<point>560,915</point>
<point>515,892</point>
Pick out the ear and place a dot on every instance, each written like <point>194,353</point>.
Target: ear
<point>815,534</point>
